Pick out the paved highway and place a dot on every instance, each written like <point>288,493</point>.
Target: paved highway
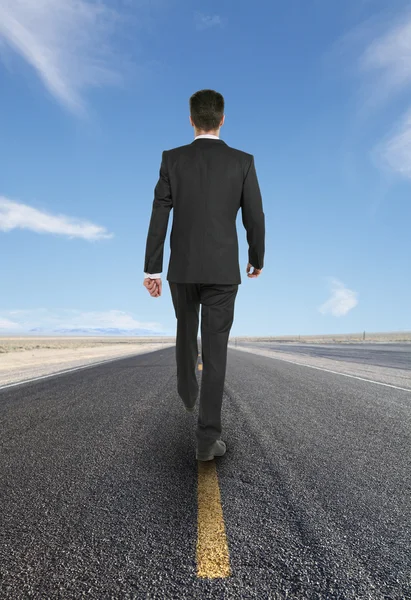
<point>99,499</point>
<point>397,356</point>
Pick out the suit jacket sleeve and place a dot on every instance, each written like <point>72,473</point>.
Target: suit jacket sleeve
<point>253,217</point>
<point>162,204</point>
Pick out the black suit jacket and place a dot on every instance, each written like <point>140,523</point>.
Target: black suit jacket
<point>206,183</point>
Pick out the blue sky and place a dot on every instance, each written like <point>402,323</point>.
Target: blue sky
<point>318,91</point>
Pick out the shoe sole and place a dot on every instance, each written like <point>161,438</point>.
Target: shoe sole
<point>208,458</point>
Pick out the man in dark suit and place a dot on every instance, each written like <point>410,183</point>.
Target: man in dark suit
<point>206,183</point>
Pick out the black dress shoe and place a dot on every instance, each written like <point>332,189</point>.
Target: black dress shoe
<point>218,448</point>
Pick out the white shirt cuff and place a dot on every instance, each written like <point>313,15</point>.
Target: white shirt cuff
<point>153,276</point>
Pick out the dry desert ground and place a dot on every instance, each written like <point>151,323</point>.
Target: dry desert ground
<point>348,338</point>
<point>26,357</point>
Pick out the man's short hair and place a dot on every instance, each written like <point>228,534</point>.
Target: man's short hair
<point>207,109</point>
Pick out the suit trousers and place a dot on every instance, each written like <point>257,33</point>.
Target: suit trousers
<point>217,315</point>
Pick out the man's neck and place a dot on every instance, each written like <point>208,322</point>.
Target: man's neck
<point>216,133</point>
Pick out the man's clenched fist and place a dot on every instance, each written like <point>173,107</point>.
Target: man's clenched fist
<point>154,286</point>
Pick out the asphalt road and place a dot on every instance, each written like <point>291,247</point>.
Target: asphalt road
<point>397,356</point>
<point>98,484</point>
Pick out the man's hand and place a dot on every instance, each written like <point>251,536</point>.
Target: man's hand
<point>154,286</point>
<point>255,273</point>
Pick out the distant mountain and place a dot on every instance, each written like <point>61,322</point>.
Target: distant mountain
<point>112,331</point>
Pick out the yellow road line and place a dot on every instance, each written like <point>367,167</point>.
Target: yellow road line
<point>213,558</point>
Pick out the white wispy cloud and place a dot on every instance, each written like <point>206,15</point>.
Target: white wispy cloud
<point>341,300</point>
<point>206,21</point>
<point>390,54</point>
<point>387,60</point>
<point>66,41</point>
<point>14,215</point>
<point>395,150</point>
<point>48,321</point>
<point>8,325</point>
